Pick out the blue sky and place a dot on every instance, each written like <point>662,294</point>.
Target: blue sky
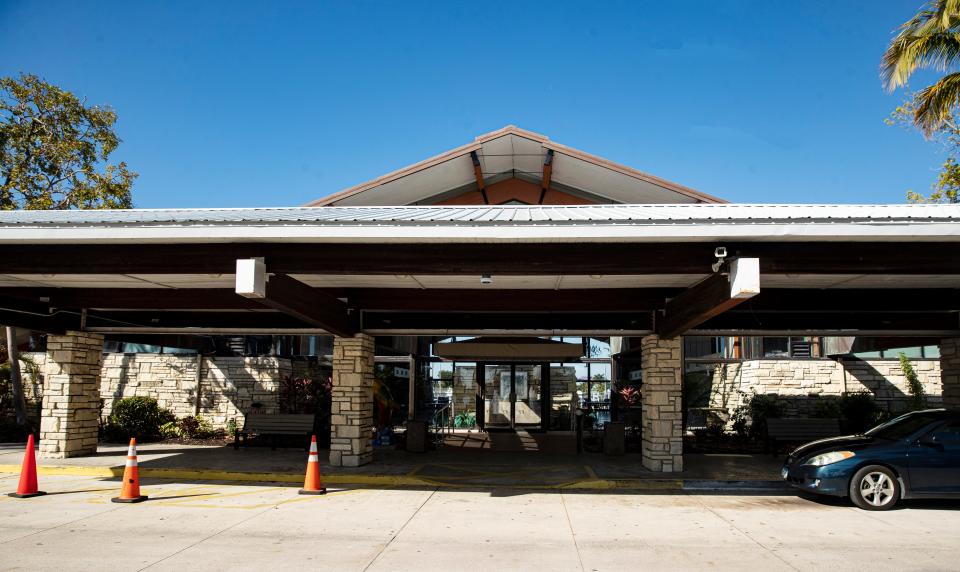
<point>239,104</point>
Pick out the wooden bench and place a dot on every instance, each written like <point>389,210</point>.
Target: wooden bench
<point>799,430</point>
<point>275,426</point>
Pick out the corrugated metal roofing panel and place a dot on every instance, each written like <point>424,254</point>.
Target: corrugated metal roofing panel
<point>494,214</point>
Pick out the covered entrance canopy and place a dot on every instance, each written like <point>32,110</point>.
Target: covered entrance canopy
<point>656,271</point>
<point>509,235</point>
<point>605,270</point>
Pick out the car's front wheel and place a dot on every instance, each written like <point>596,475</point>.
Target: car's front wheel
<point>875,488</point>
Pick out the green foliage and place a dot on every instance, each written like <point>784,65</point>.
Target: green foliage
<point>827,408</point>
<point>140,417</point>
<point>170,430</point>
<point>929,40</point>
<point>945,189</point>
<point>750,419</point>
<point>308,393</point>
<point>232,427</point>
<point>196,428</point>
<point>918,399</point>
<point>859,410</point>
<point>54,150</point>
<point>191,427</point>
<point>468,419</point>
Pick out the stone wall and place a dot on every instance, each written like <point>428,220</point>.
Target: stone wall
<point>802,382</point>
<point>950,366</point>
<point>228,385</point>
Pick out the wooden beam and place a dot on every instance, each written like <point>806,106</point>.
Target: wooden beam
<point>506,321</point>
<point>707,299</point>
<point>473,259</point>
<point>187,321</point>
<point>770,300</point>
<point>512,300</point>
<point>478,174</point>
<point>309,305</point>
<point>547,175</point>
<point>836,323</point>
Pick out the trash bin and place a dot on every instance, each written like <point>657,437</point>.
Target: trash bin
<point>417,436</point>
<point>614,438</point>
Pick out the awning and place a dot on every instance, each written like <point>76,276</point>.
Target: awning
<point>508,348</point>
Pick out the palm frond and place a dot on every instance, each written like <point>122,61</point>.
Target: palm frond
<point>935,103</point>
<point>938,51</point>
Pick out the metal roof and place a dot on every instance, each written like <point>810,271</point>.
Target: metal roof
<point>695,222</point>
<point>494,215</point>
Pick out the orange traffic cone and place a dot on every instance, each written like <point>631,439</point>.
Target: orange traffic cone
<point>28,474</point>
<point>311,483</point>
<point>130,491</point>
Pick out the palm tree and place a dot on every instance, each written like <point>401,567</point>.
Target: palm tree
<point>931,39</point>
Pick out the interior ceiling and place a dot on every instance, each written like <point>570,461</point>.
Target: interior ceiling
<point>555,282</point>
<point>514,155</point>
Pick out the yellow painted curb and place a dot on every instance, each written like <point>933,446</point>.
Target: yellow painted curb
<point>346,479</point>
<point>213,475</point>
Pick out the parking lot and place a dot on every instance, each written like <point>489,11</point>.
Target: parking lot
<point>207,526</point>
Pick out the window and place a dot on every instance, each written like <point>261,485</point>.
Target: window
<point>776,347</point>
<point>948,434</point>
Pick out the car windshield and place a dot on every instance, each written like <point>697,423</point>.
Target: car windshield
<point>903,426</point>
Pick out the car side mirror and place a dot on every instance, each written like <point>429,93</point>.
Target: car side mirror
<point>929,441</point>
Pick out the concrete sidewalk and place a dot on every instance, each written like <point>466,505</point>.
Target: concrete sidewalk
<point>230,526</point>
<point>448,469</point>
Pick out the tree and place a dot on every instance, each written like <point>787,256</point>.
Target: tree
<point>928,40</point>
<point>947,185</point>
<point>54,150</point>
<point>54,154</point>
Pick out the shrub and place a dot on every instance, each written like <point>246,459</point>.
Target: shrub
<point>827,408</point>
<point>196,428</point>
<point>170,430</point>
<point>859,410</point>
<point>750,419</point>
<point>140,417</point>
<point>232,427</point>
<point>465,420</point>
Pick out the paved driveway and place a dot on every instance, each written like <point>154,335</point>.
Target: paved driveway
<point>213,526</point>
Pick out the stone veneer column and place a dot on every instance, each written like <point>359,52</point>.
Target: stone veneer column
<point>71,395</point>
<point>351,409</point>
<point>662,363</point>
<point>950,372</point>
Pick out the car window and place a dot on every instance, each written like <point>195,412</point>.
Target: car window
<point>947,434</point>
<point>903,426</point>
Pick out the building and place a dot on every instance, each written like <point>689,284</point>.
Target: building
<point>517,278</point>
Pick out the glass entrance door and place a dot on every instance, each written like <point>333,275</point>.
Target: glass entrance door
<point>512,396</point>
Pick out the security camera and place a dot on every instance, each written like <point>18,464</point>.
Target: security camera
<point>486,279</point>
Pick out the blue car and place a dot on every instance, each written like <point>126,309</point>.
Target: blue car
<point>916,455</point>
